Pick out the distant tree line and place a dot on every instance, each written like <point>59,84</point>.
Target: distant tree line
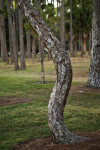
<point>70,21</point>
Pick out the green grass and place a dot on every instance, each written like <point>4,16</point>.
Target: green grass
<point>29,120</point>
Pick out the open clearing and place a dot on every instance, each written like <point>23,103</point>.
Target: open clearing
<point>23,108</point>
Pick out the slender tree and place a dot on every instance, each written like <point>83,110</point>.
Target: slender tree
<point>41,46</point>
<point>9,3</point>
<point>33,49</point>
<point>64,76</point>
<point>21,41</point>
<point>4,53</point>
<point>13,33</point>
<point>71,30</point>
<point>94,71</point>
<point>28,37</point>
<point>63,35</point>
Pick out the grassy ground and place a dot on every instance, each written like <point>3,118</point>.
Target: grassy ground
<point>29,120</point>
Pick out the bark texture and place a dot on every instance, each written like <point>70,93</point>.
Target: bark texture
<point>64,75</point>
<point>94,73</point>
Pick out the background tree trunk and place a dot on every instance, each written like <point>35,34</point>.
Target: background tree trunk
<point>4,53</point>
<point>64,76</point>
<point>10,30</point>
<point>71,30</point>
<point>13,32</point>
<point>94,71</point>
<point>33,49</point>
<point>90,42</point>
<point>83,50</point>
<point>28,36</point>
<point>41,47</point>
<point>21,41</point>
<point>63,34</point>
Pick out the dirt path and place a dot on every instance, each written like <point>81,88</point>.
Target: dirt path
<point>47,144</point>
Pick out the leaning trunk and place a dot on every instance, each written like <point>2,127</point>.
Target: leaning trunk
<point>94,71</point>
<point>64,75</point>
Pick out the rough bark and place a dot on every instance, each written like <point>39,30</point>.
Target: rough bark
<point>94,71</point>
<point>21,41</point>
<point>10,30</point>
<point>64,75</point>
<point>28,36</point>
<point>63,35</point>
<point>71,30</point>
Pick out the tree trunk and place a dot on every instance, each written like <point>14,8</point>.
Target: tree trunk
<point>28,35</point>
<point>64,75</point>
<point>41,47</point>
<point>94,71</point>
<point>90,42</point>
<point>63,34</point>
<point>71,30</point>
<point>80,41</point>
<point>21,41</point>
<point>83,50</point>
<point>10,30</point>
<point>33,49</point>
<point>75,46</point>
<point>4,54</point>
<point>13,32</point>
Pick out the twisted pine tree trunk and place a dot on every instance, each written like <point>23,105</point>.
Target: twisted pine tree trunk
<point>64,75</point>
<point>94,74</point>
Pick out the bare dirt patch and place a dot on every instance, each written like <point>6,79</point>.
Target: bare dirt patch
<point>5,101</point>
<point>47,143</point>
<point>83,89</point>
